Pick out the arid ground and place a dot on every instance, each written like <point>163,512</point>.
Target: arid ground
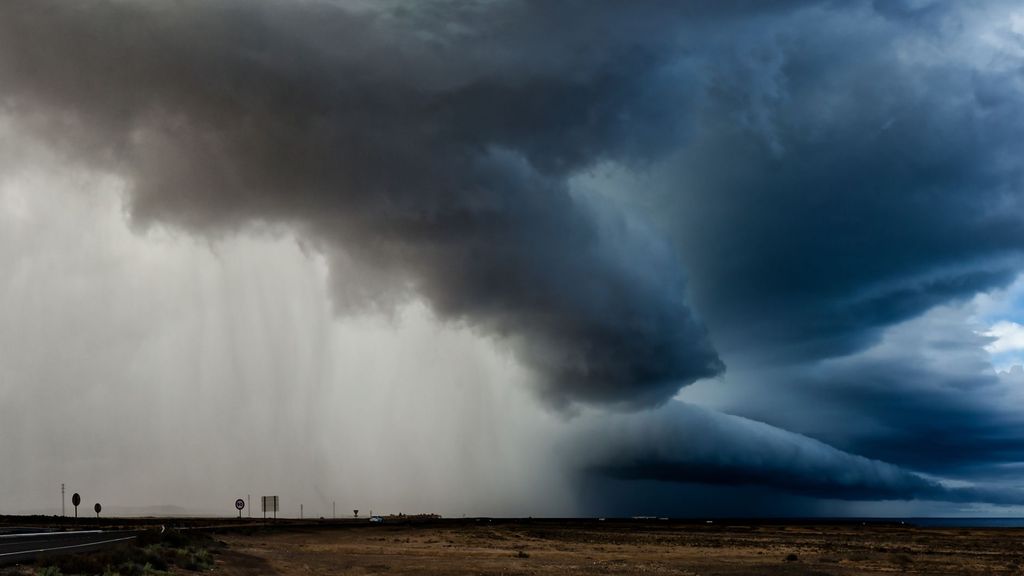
<point>622,547</point>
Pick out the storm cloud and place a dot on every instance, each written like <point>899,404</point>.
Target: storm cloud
<point>849,170</point>
<point>628,196</point>
<point>425,147</point>
<point>926,397</point>
<point>680,443</point>
<point>811,161</point>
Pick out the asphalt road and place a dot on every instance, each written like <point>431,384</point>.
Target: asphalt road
<point>19,548</point>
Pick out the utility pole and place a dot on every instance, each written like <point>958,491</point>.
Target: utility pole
<point>61,499</point>
<point>300,511</point>
<point>248,502</point>
<point>334,510</point>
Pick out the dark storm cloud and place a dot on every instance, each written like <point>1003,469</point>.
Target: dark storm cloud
<point>817,184</point>
<point>822,170</point>
<point>429,145</point>
<point>850,170</point>
<point>680,443</point>
<point>925,397</point>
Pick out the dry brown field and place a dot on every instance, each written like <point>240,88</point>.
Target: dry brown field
<point>621,547</point>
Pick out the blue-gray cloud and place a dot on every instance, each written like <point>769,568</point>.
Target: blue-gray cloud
<point>815,172</point>
<point>680,443</point>
<point>849,170</point>
<point>926,396</point>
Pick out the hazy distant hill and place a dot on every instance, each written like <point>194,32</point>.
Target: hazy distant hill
<point>164,510</point>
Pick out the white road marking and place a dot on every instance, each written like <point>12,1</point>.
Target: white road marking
<point>57,534</point>
<point>67,547</point>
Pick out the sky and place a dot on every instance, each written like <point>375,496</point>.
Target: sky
<point>513,257</point>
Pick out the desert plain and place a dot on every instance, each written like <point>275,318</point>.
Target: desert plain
<point>492,547</point>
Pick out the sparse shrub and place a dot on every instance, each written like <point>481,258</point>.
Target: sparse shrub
<point>195,559</point>
<point>792,557</point>
<point>522,554</point>
<point>154,556</point>
<point>151,555</point>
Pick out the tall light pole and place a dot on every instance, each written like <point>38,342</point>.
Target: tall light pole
<point>62,499</point>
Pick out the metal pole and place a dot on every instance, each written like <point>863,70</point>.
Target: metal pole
<point>334,510</point>
<point>62,499</point>
<point>248,502</point>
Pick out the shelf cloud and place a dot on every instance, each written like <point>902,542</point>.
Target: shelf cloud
<point>720,236</point>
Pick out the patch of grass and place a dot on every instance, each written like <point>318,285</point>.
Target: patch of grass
<point>195,559</point>
<point>152,554</point>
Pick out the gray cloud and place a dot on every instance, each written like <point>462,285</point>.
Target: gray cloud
<point>817,173</point>
<point>430,147</point>
<point>926,396</point>
<point>850,170</point>
<point>680,443</point>
<point>428,151</point>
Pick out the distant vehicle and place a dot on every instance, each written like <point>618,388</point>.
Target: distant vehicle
<point>376,518</point>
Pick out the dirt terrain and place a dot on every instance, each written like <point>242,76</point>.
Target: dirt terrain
<point>622,547</point>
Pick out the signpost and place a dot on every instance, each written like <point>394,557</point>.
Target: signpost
<point>97,508</point>
<point>270,504</point>
<point>239,504</point>
<point>75,501</point>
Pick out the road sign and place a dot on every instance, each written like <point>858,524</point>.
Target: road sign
<point>270,504</point>
<point>97,508</point>
<point>239,504</point>
<point>75,501</point>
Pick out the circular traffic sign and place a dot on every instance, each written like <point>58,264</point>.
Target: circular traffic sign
<point>239,504</point>
<point>76,499</point>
